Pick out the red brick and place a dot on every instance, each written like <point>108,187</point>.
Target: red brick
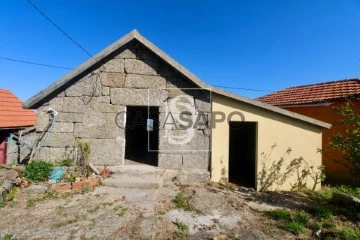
<point>61,187</point>
<point>93,181</point>
<point>79,185</point>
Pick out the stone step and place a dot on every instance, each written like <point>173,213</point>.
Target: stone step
<point>131,181</point>
<point>135,170</point>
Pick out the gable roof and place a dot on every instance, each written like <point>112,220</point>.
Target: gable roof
<point>314,93</point>
<point>38,98</point>
<point>12,113</point>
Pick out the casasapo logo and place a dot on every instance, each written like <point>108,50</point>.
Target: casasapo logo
<point>180,118</point>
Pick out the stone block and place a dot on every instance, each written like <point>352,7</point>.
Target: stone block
<point>183,140</point>
<point>56,103</point>
<point>69,117</point>
<point>105,91</point>
<point>34,190</point>
<point>113,79</point>
<point>144,81</point>
<point>97,131</point>
<point>107,107</point>
<point>170,161</point>
<point>107,151</point>
<point>203,105</point>
<point>196,161</point>
<point>181,83</point>
<point>60,140</point>
<point>146,54</point>
<point>144,67</point>
<point>73,105</point>
<point>138,97</point>
<point>127,53</point>
<point>63,127</point>
<point>59,154</point>
<point>114,65</point>
<point>87,86</point>
<point>195,176</point>
<point>42,121</point>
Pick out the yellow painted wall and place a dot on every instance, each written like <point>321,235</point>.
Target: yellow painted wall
<point>276,133</point>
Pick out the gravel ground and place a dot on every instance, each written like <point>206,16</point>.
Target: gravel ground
<point>116,213</point>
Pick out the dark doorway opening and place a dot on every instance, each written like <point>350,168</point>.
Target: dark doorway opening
<point>142,137</point>
<point>242,153</point>
<point>2,149</point>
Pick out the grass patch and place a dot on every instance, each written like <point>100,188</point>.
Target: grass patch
<point>94,209</point>
<point>121,212</point>
<point>8,236</point>
<point>107,204</point>
<point>281,214</point>
<point>294,227</point>
<point>323,212</point>
<point>31,202</point>
<point>347,233</point>
<point>181,202</point>
<point>294,222</point>
<point>330,214</point>
<point>67,221</point>
<point>353,191</point>
<point>182,231</point>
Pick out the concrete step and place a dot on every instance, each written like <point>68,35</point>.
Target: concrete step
<point>134,181</point>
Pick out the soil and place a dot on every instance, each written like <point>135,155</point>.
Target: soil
<point>215,213</point>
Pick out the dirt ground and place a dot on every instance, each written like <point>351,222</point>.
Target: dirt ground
<point>211,212</point>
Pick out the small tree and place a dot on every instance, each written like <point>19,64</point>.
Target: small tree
<point>349,142</point>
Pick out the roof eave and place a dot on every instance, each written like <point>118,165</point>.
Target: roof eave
<point>272,108</point>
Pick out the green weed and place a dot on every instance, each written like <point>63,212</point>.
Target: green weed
<point>280,214</point>
<point>183,230</point>
<point>121,212</point>
<point>181,202</point>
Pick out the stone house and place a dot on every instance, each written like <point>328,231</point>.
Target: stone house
<point>136,105</point>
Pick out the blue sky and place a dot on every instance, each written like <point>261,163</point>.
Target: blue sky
<point>266,45</point>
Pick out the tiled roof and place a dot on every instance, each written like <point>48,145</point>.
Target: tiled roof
<point>12,113</point>
<point>315,93</point>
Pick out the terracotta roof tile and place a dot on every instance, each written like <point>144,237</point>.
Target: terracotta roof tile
<point>314,93</point>
<point>12,113</point>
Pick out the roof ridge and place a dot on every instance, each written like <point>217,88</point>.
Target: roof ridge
<point>323,83</point>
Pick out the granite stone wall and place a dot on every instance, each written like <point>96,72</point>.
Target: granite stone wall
<point>88,109</point>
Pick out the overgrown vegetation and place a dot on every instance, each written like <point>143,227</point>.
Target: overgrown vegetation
<point>38,170</point>
<point>349,142</point>
<point>275,174</point>
<point>331,218</point>
<point>294,222</point>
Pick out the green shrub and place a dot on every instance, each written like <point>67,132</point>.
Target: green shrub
<point>37,170</point>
